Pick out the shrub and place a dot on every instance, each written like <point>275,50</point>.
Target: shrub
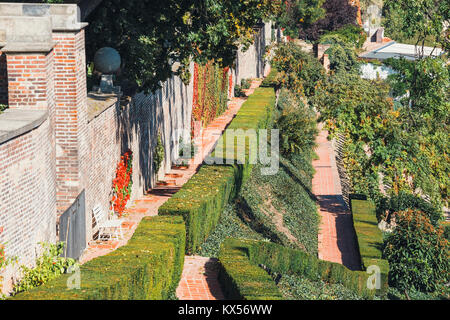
<point>149,266</point>
<point>418,253</point>
<point>240,258</point>
<point>272,79</point>
<point>351,34</point>
<point>202,199</point>
<point>298,70</point>
<point>404,201</point>
<point>240,278</point>
<point>369,236</point>
<point>343,58</point>
<point>296,122</point>
<point>48,266</point>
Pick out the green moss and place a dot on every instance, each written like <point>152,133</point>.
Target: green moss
<point>149,266</point>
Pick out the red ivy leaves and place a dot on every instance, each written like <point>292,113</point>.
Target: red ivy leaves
<point>122,183</point>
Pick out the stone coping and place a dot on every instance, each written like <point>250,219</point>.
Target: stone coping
<point>15,122</point>
<point>99,102</point>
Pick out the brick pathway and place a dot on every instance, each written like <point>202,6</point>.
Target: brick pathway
<point>199,279</point>
<point>337,241</point>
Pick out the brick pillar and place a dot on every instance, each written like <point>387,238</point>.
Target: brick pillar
<point>30,80</point>
<point>70,116</point>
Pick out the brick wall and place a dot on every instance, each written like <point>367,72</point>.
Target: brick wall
<point>27,193</point>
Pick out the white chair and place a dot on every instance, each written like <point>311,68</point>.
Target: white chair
<point>107,226</point>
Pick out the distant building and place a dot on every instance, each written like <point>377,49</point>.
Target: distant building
<point>393,49</point>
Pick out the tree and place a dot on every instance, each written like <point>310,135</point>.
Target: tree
<point>339,13</point>
<point>418,253</point>
<point>152,35</point>
<point>420,20</point>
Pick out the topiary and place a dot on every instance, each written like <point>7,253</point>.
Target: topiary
<point>418,253</point>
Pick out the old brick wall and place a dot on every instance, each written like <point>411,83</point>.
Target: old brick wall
<point>135,126</point>
<point>27,193</point>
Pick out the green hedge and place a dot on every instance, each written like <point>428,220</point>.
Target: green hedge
<point>202,199</point>
<point>149,266</point>
<point>242,279</point>
<point>238,276</point>
<point>369,236</point>
<point>269,81</point>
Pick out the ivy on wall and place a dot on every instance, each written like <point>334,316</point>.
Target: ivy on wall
<point>210,97</point>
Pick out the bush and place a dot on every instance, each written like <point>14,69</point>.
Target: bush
<point>351,34</point>
<point>343,58</point>
<point>240,278</point>
<point>418,253</point>
<point>272,79</point>
<point>298,70</point>
<point>202,199</point>
<point>240,258</point>
<point>370,238</point>
<point>149,266</point>
<point>296,122</point>
<point>404,201</point>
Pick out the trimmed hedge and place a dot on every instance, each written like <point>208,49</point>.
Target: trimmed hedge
<point>239,258</point>
<point>369,236</point>
<point>240,278</point>
<point>202,199</point>
<point>270,80</point>
<point>149,266</point>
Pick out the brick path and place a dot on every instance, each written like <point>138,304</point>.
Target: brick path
<point>199,278</point>
<point>337,241</point>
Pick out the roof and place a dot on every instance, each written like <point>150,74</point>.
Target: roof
<point>396,50</point>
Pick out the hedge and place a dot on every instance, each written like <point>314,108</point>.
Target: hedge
<point>369,236</point>
<point>269,81</point>
<point>149,266</point>
<point>242,279</point>
<point>239,258</point>
<point>202,199</point>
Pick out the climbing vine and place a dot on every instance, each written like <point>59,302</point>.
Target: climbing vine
<point>122,183</point>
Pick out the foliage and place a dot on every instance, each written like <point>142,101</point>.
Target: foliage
<point>291,221</point>
<point>299,14</point>
<point>300,288</point>
<point>423,89</point>
<point>296,122</point>
<point>239,91</point>
<point>351,34</point>
<point>210,92</point>
<point>245,83</point>
<point>242,279</point>
<point>418,19</point>
<point>418,253</point>
<point>49,266</point>
<point>270,80</point>
<point>239,259</point>
<point>153,35</point>
<point>338,14</point>
<point>369,237</point>
<point>230,225</point>
<point>149,266</point>
<point>122,183</point>
<point>201,200</point>
<point>159,154</point>
<point>405,200</point>
<point>298,71</point>
<point>343,58</point>
<point>3,107</point>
